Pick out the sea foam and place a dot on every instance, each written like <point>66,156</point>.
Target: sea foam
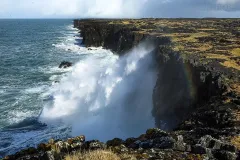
<point>105,96</point>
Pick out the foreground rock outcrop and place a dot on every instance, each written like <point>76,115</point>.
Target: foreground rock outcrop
<point>196,97</point>
<point>154,144</point>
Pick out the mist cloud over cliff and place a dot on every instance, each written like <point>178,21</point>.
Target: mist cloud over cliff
<point>118,8</point>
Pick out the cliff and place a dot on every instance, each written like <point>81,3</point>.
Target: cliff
<point>198,87</point>
<point>196,97</point>
<point>198,62</point>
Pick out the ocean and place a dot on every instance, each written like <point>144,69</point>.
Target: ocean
<point>102,96</point>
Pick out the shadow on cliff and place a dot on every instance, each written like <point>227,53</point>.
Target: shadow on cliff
<point>181,88</point>
<point>182,85</point>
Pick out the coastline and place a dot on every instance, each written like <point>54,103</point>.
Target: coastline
<point>211,95</point>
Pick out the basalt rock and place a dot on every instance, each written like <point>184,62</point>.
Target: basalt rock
<point>115,142</point>
<point>197,88</point>
<point>190,72</point>
<point>159,145</point>
<point>196,92</point>
<point>65,64</point>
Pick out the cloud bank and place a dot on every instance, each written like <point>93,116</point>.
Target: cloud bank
<point>118,8</point>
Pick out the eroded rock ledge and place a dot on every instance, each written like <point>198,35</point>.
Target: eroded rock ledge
<point>154,144</point>
<point>196,97</point>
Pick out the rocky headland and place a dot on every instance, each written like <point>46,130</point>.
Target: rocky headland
<point>196,98</point>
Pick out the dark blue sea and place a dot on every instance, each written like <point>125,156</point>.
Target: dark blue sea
<point>101,96</point>
<point>30,52</point>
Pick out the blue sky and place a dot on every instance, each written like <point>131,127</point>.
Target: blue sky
<point>118,8</point>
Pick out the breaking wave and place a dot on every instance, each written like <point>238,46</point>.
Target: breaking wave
<point>105,96</point>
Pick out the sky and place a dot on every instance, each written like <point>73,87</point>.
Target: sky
<point>119,8</point>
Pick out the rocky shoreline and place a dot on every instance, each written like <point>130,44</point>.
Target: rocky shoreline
<point>154,144</point>
<point>196,97</point>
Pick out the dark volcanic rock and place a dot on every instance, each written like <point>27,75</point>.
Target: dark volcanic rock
<point>186,82</point>
<point>115,142</point>
<point>196,89</point>
<point>65,64</point>
<point>157,146</point>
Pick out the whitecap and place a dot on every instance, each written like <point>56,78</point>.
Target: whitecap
<point>37,89</point>
<point>16,116</point>
<point>54,70</point>
<point>2,91</point>
<point>18,140</point>
<point>54,77</point>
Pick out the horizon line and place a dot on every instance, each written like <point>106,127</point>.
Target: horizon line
<point>73,18</point>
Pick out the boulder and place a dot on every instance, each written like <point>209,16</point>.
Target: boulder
<point>179,145</point>
<point>155,133</point>
<point>212,143</point>
<point>130,141</point>
<point>96,145</point>
<point>164,142</point>
<point>224,155</point>
<point>198,149</point>
<point>93,145</point>
<point>115,142</point>
<point>215,149</point>
<point>65,64</point>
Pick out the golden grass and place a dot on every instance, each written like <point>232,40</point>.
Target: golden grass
<point>178,48</point>
<point>203,47</point>
<point>236,87</point>
<point>217,56</point>
<point>195,157</point>
<point>141,32</point>
<point>94,155</point>
<point>125,22</point>
<point>236,141</point>
<point>231,64</point>
<point>228,100</point>
<point>193,37</point>
<point>206,29</point>
<point>99,155</point>
<point>236,52</point>
<point>197,48</point>
<point>176,37</point>
<point>186,37</point>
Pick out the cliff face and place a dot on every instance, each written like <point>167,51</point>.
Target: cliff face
<point>116,37</point>
<point>198,68</point>
<point>197,89</point>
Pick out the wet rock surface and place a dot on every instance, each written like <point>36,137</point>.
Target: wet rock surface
<point>65,64</point>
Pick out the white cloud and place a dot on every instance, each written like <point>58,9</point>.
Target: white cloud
<point>224,2</point>
<point>117,8</point>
